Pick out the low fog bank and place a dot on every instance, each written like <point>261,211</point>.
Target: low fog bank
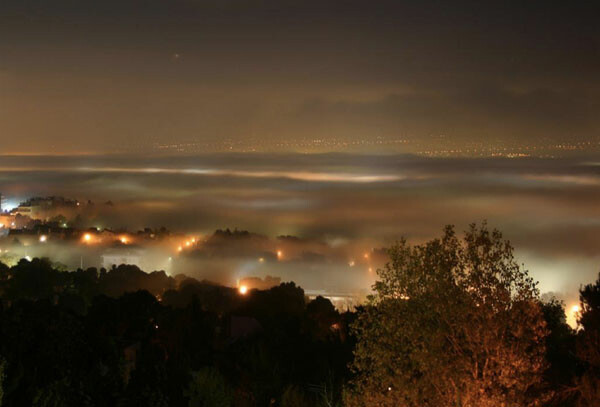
<point>546,207</point>
<point>225,257</point>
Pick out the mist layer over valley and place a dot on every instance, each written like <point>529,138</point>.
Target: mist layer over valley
<point>319,220</point>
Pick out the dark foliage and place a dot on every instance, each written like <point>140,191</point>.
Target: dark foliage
<point>124,337</point>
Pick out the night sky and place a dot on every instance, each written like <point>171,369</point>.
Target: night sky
<point>107,76</point>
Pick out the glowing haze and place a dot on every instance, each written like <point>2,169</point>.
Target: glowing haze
<point>246,75</point>
<point>546,207</point>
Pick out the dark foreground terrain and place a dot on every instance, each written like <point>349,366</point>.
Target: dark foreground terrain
<point>451,323</point>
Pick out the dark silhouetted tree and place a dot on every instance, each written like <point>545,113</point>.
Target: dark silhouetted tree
<point>588,345</point>
<point>35,279</point>
<point>2,375</point>
<point>560,353</point>
<point>208,389</point>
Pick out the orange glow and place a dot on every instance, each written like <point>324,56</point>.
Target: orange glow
<point>43,238</point>
<point>87,238</point>
<point>366,255</point>
<point>187,244</point>
<point>279,254</point>
<point>179,248</point>
<point>124,240</point>
<point>573,315</point>
<point>243,289</point>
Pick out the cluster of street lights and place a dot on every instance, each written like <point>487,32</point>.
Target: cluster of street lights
<point>186,244</point>
<point>89,238</point>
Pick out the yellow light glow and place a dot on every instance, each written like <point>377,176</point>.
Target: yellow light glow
<point>193,240</point>
<point>370,269</point>
<point>243,289</point>
<point>124,240</point>
<point>366,255</point>
<point>279,254</point>
<point>179,248</point>
<point>187,244</point>
<point>351,263</point>
<point>575,309</point>
<point>262,260</point>
<point>87,237</point>
<point>43,238</point>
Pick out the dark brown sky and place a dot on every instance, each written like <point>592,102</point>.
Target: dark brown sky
<point>96,76</point>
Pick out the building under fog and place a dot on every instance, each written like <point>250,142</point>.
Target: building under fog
<point>41,207</point>
<point>341,301</point>
<point>116,257</point>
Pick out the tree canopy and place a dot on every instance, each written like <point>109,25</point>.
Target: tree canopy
<point>452,322</point>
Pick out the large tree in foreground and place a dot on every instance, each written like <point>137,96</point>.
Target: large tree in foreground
<point>451,323</point>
